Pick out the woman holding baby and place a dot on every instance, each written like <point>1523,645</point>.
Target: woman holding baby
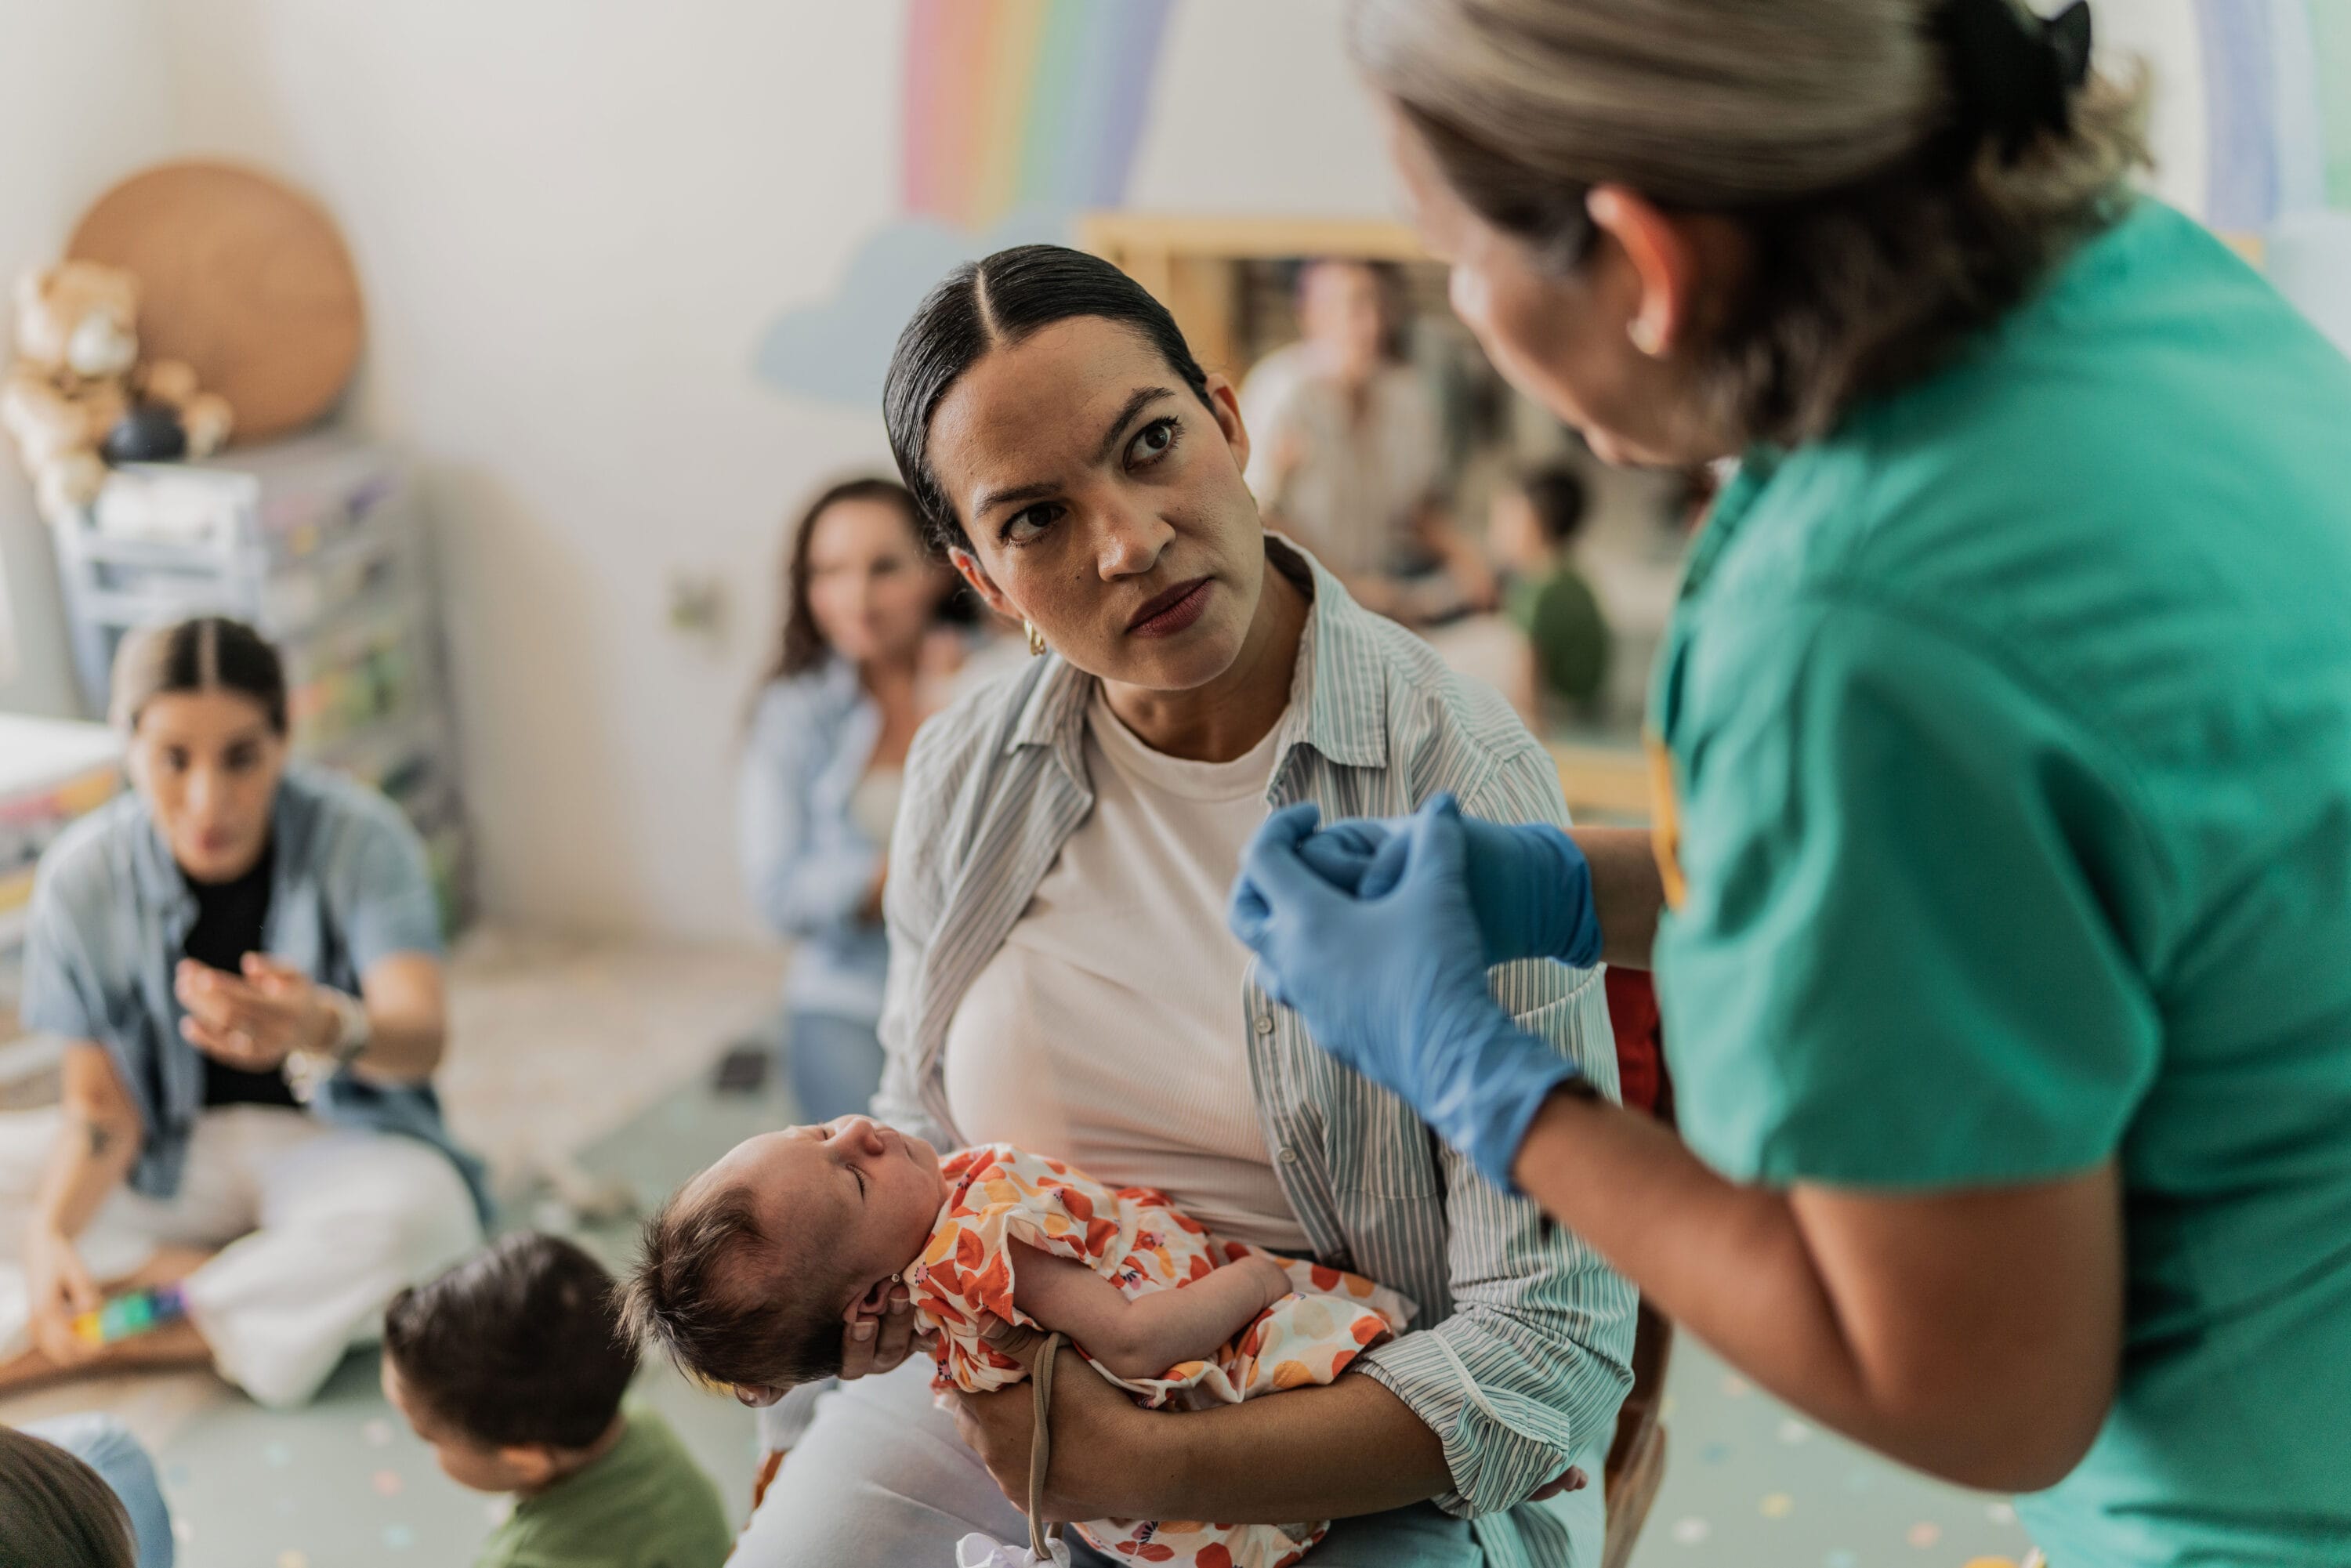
<point>1062,978</point>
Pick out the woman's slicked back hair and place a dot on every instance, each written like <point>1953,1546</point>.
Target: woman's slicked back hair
<point>984,305</point>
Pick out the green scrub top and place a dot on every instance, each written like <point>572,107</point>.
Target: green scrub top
<point>2009,736</point>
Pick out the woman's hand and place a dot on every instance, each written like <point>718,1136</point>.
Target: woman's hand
<point>254,1021</point>
<point>1393,982</point>
<point>875,1343</point>
<point>1101,1439</point>
<point>59,1289</point>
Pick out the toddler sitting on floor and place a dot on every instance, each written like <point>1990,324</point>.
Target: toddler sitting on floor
<point>753,1270</point>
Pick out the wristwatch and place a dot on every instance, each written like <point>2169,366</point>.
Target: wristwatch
<point>351,1030</point>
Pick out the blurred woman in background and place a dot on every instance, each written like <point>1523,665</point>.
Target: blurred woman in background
<point>244,956</point>
<point>869,632</point>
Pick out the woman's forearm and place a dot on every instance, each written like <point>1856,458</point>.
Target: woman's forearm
<point>1627,890</point>
<point>408,1020</point>
<point>95,1148</point>
<point>1332,1452</point>
<point>1880,1316</point>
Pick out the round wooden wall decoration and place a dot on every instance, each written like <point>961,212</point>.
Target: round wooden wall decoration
<point>245,280</point>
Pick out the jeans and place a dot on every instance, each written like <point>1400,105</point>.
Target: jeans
<point>834,1063</point>
<point>105,1446</point>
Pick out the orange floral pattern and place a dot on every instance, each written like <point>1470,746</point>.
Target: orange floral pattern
<point>1140,1242</point>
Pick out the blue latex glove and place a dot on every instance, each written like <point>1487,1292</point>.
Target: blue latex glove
<point>1529,886</point>
<point>1394,984</point>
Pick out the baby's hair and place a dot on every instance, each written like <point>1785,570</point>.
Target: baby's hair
<point>678,1297</point>
<point>519,1344</point>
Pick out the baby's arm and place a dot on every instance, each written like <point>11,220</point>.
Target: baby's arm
<point>1146,1336</point>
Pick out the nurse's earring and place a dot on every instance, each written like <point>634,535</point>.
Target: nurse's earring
<point>1648,336</point>
<point>1036,640</point>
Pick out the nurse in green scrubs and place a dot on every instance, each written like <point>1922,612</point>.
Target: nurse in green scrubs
<point>2003,741</point>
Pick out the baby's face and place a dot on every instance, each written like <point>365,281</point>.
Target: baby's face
<point>865,1196</point>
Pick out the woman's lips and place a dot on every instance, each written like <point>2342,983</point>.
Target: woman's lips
<point>1173,611</point>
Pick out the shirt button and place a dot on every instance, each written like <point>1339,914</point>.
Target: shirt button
<point>1265,1023</point>
<point>1289,1156</point>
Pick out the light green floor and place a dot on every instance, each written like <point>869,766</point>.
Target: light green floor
<point>343,1484</point>
<point>1748,1485</point>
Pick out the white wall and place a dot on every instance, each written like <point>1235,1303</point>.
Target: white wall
<point>572,221</point>
<point>95,107</point>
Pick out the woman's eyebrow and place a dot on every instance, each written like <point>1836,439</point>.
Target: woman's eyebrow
<point>1137,402</point>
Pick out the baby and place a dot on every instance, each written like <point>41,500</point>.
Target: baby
<point>752,1270</point>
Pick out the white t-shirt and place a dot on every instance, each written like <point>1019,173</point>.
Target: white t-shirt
<point>1110,1029</point>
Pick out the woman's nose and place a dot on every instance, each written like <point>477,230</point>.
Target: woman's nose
<point>1132,543</point>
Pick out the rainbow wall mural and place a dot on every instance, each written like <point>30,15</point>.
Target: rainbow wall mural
<point>1024,103</point>
<point>1016,115</point>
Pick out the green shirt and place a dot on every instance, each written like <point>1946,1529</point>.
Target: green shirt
<point>2010,730</point>
<point>1561,616</point>
<point>646,1504</point>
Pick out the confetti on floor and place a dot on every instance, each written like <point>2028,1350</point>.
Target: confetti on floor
<point>1752,1484</point>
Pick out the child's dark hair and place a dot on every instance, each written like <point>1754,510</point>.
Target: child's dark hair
<point>519,1344</point>
<point>56,1511</point>
<point>679,1299</point>
<point>1556,493</point>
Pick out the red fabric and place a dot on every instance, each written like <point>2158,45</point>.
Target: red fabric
<point>1640,1038</point>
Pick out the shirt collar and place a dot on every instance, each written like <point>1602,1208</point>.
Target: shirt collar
<point>1336,684</point>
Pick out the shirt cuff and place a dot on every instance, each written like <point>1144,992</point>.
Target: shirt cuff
<point>1499,1445</point>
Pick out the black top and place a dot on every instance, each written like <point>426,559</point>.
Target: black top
<point>229,920</point>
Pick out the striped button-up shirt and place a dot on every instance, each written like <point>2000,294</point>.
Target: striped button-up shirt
<point>1518,1357</point>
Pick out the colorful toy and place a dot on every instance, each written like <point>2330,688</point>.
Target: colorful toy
<point>130,1315</point>
<point>78,376</point>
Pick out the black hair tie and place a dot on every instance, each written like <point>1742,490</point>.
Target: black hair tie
<point>2012,76</point>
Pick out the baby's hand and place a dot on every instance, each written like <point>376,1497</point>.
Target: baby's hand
<point>1270,1275</point>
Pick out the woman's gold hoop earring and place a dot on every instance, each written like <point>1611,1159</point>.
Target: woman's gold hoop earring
<point>1036,640</point>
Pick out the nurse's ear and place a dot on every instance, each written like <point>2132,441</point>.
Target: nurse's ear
<point>1676,261</point>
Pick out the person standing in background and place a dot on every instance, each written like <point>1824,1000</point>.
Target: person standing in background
<point>822,764</point>
<point>1532,535</point>
<point>1350,451</point>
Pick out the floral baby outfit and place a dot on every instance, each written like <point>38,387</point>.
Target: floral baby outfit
<point>1140,1242</point>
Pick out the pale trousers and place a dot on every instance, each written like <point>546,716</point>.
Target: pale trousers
<point>317,1229</point>
<point>880,1477</point>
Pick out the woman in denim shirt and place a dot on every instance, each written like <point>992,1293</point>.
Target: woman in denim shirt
<point>244,960</point>
<point>822,766</point>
